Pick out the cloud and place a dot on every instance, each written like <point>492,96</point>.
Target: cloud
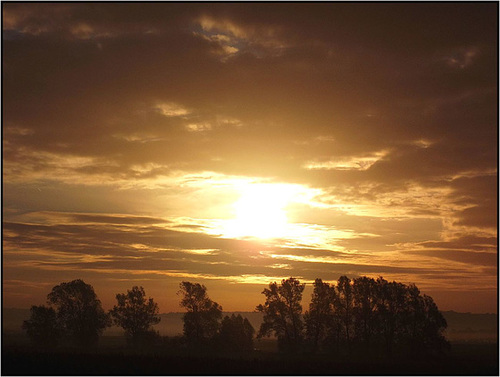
<point>470,258</point>
<point>112,244</point>
<point>354,163</point>
<point>469,249</point>
<point>134,125</point>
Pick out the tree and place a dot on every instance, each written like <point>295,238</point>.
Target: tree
<point>135,314</point>
<point>79,312</point>
<point>42,327</point>
<point>432,326</point>
<point>201,321</point>
<point>318,319</point>
<point>282,313</point>
<point>405,318</point>
<point>392,309</point>
<point>374,314</point>
<point>415,316</point>
<point>236,333</point>
<point>364,310</point>
<point>344,306</point>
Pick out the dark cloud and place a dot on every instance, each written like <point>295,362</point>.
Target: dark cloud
<point>473,258</point>
<point>479,194</point>
<point>288,94</point>
<point>471,242</point>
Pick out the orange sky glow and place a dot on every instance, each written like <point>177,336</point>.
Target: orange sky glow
<point>236,144</point>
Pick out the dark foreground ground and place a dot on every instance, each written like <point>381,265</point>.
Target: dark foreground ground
<point>464,359</point>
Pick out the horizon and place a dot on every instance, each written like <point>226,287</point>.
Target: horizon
<point>238,144</point>
<point>109,302</point>
<point>256,312</point>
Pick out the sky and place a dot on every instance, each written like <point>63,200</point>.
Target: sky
<point>237,144</point>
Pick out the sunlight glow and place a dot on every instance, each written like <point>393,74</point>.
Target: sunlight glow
<point>260,211</point>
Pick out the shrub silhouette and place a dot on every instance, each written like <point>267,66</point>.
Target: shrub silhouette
<point>79,312</point>
<point>136,315</point>
<point>201,321</point>
<point>42,327</point>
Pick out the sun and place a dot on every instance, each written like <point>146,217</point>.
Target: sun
<point>260,212</point>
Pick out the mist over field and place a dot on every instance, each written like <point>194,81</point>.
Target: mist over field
<point>468,327</point>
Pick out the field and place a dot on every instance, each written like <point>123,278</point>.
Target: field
<point>113,358</point>
<point>473,338</point>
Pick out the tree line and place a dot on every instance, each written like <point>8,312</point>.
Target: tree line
<point>75,317</point>
<point>362,313</point>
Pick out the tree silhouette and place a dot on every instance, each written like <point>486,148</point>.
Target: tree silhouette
<point>136,315</point>
<point>362,314</point>
<point>432,325</point>
<point>79,312</point>
<point>42,327</point>
<point>319,318</point>
<point>201,322</point>
<point>344,307</point>
<point>393,312</point>
<point>364,310</point>
<point>236,334</point>
<point>282,313</point>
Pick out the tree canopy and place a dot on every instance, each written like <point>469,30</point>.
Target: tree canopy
<point>135,314</point>
<point>373,314</point>
<point>79,312</point>
<point>42,327</point>
<point>320,314</point>
<point>282,313</point>
<point>202,319</point>
<point>236,333</point>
